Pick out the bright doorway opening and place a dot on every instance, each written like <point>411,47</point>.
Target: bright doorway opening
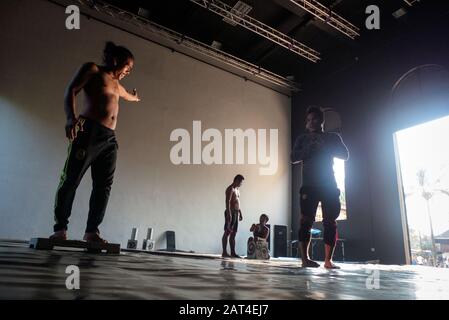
<point>423,158</point>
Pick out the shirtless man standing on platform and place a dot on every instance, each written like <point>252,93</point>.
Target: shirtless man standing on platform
<point>233,215</point>
<point>92,141</point>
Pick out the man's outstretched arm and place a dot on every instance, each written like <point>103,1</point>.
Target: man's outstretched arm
<point>128,96</point>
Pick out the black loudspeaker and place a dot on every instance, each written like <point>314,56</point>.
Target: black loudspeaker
<point>280,241</point>
<point>171,243</point>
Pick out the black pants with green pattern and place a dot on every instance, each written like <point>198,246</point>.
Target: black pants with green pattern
<point>95,146</point>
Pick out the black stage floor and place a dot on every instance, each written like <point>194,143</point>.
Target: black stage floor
<point>33,274</point>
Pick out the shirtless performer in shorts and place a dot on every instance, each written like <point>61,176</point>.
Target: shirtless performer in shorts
<point>233,215</point>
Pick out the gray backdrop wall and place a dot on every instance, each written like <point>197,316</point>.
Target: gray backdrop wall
<point>37,59</point>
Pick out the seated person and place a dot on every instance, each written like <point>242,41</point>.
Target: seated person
<point>258,245</point>
<point>260,230</point>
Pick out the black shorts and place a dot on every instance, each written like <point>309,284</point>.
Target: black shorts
<point>234,223</point>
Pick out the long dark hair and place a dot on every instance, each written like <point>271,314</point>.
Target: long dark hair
<point>119,53</point>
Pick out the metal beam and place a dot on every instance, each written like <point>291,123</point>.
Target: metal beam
<point>293,30</point>
<point>410,2</point>
<point>260,28</point>
<point>255,49</point>
<point>179,40</point>
<point>328,16</point>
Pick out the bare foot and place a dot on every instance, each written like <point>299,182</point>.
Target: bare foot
<point>225,255</point>
<point>235,255</point>
<point>59,235</point>
<point>94,237</point>
<point>310,264</point>
<point>331,265</point>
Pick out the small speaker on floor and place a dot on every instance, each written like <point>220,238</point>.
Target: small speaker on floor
<point>132,243</point>
<point>171,243</point>
<point>280,241</point>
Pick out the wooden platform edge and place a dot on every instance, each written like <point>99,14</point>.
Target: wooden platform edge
<point>48,244</point>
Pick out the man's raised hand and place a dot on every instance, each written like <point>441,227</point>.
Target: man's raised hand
<point>135,95</point>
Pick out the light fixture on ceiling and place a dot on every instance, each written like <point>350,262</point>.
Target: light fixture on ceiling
<point>144,13</point>
<point>399,13</point>
<point>216,45</point>
<point>240,9</point>
<point>222,9</point>
<point>326,15</point>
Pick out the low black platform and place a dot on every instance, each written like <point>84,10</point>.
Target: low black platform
<point>49,244</point>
